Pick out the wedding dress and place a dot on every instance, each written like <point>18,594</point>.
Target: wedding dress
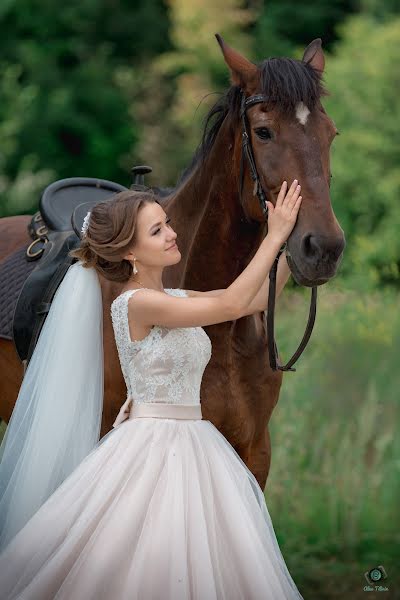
<point>163,508</point>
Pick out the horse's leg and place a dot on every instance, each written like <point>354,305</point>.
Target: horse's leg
<point>257,457</point>
<point>11,378</point>
<point>260,458</point>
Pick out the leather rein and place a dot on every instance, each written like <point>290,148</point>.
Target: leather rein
<point>247,152</point>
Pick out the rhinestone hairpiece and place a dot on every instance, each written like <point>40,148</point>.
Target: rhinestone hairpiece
<point>85,224</point>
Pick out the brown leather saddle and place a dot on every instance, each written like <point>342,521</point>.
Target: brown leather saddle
<point>55,230</point>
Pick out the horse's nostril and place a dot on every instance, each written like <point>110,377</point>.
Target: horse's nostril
<point>318,248</point>
<point>311,248</point>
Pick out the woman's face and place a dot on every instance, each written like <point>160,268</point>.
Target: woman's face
<point>156,240</point>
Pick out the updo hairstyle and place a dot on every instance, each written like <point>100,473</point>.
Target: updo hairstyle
<point>111,233</point>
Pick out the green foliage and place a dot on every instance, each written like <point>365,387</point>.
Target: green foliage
<point>63,112</point>
<point>20,191</point>
<point>380,11</point>
<point>187,79</point>
<point>364,80</point>
<point>283,25</point>
<point>334,486</point>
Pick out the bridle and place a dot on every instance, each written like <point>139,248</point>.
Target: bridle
<point>247,152</point>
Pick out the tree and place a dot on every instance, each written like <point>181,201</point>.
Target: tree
<point>283,25</point>
<point>179,86</point>
<point>364,80</point>
<point>63,111</point>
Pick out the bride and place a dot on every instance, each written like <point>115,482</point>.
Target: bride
<point>162,507</point>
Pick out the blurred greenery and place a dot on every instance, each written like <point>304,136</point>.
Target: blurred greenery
<point>334,487</point>
<point>92,87</point>
<point>366,189</point>
<point>62,110</point>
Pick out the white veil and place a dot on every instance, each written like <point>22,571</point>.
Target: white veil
<point>57,417</point>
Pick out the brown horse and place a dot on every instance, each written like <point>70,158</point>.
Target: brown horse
<point>218,235</point>
<point>13,235</point>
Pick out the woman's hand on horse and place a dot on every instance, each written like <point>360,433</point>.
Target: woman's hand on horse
<point>282,217</point>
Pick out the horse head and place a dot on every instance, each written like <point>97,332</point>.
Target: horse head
<point>290,135</point>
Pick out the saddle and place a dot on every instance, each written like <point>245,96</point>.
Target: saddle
<point>55,230</point>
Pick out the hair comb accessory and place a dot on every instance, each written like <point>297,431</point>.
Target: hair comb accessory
<point>85,224</point>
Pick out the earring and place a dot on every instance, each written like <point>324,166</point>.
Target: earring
<point>134,267</point>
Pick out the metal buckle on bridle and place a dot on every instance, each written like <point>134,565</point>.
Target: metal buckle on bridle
<point>247,151</point>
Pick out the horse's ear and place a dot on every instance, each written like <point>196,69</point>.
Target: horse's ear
<point>314,55</point>
<point>243,72</point>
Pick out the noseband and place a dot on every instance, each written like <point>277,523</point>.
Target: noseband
<point>247,152</point>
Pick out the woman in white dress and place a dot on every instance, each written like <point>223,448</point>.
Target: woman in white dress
<point>162,507</point>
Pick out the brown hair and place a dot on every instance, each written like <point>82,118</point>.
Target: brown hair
<point>111,233</point>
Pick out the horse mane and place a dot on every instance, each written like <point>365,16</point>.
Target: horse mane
<point>285,81</point>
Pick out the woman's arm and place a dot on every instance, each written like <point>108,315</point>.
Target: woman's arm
<point>152,307</point>
<point>260,301</point>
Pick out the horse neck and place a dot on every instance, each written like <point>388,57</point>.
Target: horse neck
<point>214,238</point>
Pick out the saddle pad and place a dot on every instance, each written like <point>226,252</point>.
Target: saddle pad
<point>13,273</point>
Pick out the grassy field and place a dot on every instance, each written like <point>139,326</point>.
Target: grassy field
<point>334,486</point>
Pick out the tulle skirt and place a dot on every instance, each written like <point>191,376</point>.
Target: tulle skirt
<point>161,509</point>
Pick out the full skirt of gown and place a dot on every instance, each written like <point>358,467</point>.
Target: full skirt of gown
<point>161,509</point>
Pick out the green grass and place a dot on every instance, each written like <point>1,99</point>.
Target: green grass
<point>334,487</point>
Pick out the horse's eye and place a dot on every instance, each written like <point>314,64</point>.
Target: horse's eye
<point>263,133</point>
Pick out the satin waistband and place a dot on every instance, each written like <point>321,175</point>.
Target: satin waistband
<point>165,411</point>
<point>130,410</point>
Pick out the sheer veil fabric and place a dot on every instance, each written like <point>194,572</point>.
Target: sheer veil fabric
<point>57,416</point>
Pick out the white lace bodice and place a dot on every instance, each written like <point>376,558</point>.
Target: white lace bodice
<point>168,364</point>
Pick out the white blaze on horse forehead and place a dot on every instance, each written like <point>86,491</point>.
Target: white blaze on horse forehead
<point>302,113</point>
